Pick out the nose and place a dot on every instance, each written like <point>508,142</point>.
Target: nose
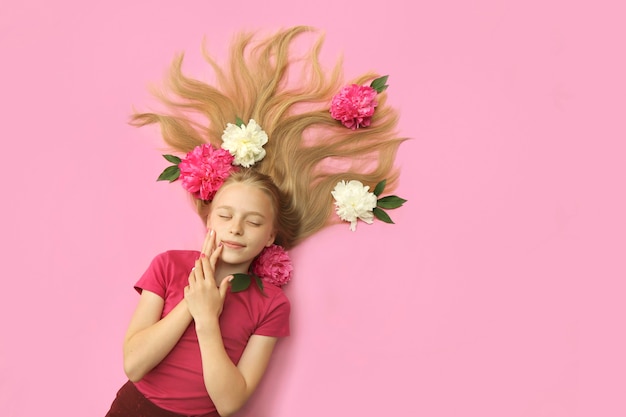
<point>236,227</point>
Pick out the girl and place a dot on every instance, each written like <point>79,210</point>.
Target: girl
<point>195,346</point>
<point>172,364</point>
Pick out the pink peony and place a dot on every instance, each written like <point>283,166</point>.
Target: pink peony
<point>204,170</point>
<point>273,266</point>
<point>354,106</point>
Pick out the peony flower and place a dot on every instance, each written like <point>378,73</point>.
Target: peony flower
<point>273,266</point>
<point>204,170</point>
<point>354,106</point>
<point>245,143</point>
<point>353,201</point>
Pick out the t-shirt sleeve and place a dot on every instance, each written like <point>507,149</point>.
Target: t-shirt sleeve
<point>153,279</point>
<point>276,321</point>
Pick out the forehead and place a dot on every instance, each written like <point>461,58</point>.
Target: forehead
<point>243,197</point>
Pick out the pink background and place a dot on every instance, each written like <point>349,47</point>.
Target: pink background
<point>497,293</point>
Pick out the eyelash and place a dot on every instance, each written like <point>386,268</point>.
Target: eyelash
<point>222,216</point>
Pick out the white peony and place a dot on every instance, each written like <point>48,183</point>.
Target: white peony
<point>245,143</point>
<point>353,201</point>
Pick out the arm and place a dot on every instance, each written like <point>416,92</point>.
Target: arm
<point>228,385</point>
<point>149,338</point>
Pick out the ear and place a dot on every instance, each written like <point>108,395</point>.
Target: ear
<point>271,239</point>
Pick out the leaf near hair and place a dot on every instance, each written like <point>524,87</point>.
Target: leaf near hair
<point>391,202</point>
<point>380,187</point>
<point>170,174</point>
<point>380,84</point>
<point>382,215</point>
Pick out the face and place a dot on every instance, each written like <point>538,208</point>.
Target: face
<point>242,217</point>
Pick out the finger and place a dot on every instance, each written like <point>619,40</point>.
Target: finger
<point>208,273</point>
<point>208,244</point>
<point>196,273</point>
<point>224,285</point>
<point>215,256</point>
<point>192,276</point>
<point>208,265</point>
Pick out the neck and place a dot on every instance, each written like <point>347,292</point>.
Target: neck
<point>223,270</point>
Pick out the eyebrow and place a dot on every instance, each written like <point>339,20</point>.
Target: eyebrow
<point>247,213</point>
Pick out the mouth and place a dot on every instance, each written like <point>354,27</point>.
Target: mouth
<point>233,245</point>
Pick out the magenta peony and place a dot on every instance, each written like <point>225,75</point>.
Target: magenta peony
<point>273,266</point>
<point>354,106</point>
<point>204,170</point>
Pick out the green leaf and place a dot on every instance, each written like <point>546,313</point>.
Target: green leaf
<point>390,202</point>
<point>172,158</point>
<point>240,282</point>
<point>259,283</point>
<point>382,215</point>
<point>379,84</point>
<point>170,174</point>
<point>238,121</point>
<point>380,187</point>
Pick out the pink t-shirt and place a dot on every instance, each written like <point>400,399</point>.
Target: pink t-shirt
<point>176,384</point>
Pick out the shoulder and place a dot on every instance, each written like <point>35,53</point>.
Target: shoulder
<point>275,299</point>
<point>176,257</point>
<point>168,273</point>
<point>275,293</point>
<point>274,319</point>
<point>172,262</point>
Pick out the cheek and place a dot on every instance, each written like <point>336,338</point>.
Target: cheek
<point>270,237</point>
<point>212,222</point>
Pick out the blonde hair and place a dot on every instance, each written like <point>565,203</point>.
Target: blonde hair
<point>308,151</point>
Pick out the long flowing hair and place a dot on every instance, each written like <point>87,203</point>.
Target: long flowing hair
<point>289,96</point>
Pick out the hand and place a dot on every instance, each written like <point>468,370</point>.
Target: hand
<point>204,299</point>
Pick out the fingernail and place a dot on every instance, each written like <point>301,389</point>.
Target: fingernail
<point>219,244</point>
<point>230,278</point>
<point>211,232</point>
<point>202,255</point>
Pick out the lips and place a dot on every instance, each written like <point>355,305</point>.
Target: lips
<point>233,245</point>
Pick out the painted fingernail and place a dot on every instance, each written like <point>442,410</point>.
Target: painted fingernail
<point>219,244</point>
<point>202,255</point>
<point>211,232</point>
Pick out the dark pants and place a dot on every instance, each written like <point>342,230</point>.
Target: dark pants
<point>129,402</point>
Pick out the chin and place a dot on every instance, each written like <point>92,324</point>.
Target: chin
<point>234,260</point>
